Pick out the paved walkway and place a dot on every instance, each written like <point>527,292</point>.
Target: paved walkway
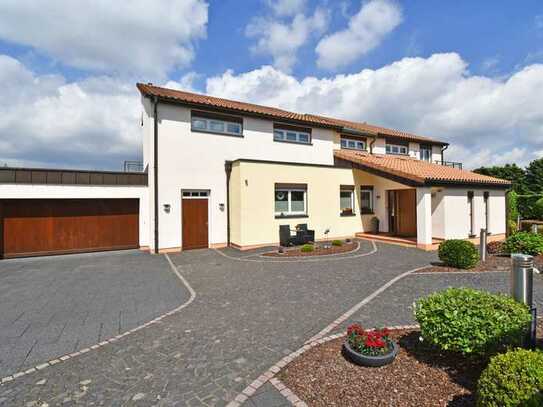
<point>52,306</point>
<point>246,315</point>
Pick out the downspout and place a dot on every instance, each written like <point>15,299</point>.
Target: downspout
<point>372,143</point>
<point>228,169</point>
<point>446,146</point>
<point>155,162</point>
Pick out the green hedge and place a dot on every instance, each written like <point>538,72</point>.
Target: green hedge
<point>306,248</point>
<point>337,243</point>
<point>458,253</point>
<point>512,379</point>
<point>471,321</point>
<point>524,242</point>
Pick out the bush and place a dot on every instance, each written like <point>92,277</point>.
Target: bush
<point>512,379</point>
<point>458,253</point>
<point>337,243</point>
<point>306,248</point>
<point>538,209</point>
<point>512,212</point>
<point>495,247</point>
<point>471,321</point>
<point>524,242</point>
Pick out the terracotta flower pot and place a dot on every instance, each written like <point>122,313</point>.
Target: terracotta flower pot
<point>367,360</point>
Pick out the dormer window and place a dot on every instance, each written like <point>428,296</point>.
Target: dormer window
<point>350,143</point>
<point>426,153</point>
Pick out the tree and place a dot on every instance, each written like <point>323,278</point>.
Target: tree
<point>534,176</point>
<point>510,172</point>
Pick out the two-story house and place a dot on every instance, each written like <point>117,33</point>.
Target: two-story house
<point>227,173</point>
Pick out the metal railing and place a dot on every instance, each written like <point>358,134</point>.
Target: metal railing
<point>133,166</point>
<point>452,164</point>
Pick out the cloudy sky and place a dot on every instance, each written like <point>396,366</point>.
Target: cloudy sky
<point>470,73</point>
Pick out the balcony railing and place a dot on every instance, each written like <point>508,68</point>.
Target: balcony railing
<point>133,166</point>
<point>452,164</point>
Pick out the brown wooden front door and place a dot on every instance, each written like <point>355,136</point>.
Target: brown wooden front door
<point>195,223</point>
<point>406,212</point>
<point>33,227</point>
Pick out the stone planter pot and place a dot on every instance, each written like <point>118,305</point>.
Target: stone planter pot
<point>366,360</point>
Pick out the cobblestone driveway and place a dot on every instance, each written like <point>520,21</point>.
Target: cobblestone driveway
<point>247,315</point>
<point>52,306</point>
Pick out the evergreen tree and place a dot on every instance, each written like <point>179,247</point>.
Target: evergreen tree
<point>534,176</point>
<point>510,172</point>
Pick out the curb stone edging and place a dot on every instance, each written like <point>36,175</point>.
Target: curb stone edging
<point>113,339</point>
<point>286,392</point>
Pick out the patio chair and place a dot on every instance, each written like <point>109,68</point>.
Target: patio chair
<point>304,235</point>
<point>285,237</point>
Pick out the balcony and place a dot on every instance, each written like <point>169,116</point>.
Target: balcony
<point>452,164</point>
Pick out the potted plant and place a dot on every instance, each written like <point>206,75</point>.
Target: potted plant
<point>370,348</point>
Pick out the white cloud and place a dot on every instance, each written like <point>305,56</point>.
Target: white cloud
<point>487,120</point>
<point>123,37</point>
<point>281,40</point>
<point>287,7</point>
<point>48,122</point>
<point>366,31</point>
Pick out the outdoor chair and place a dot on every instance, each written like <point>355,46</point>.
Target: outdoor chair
<point>285,237</point>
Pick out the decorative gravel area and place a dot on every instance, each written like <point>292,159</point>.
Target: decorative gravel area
<point>492,263</point>
<point>419,376</point>
<point>320,250</point>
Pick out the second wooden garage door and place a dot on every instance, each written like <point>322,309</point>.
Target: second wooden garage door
<point>33,227</point>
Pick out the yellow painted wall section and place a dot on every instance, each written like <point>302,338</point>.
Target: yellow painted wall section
<point>257,224</point>
<point>235,203</point>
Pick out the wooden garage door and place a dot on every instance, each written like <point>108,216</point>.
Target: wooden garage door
<point>33,227</point>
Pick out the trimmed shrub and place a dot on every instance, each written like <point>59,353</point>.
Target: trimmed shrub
<point>470,321</point>
<point>512,379</point>
<point>524,242</point>
<point>306,248</point>
<point>337,243</point>
<point>495,247</point>
<point>458,253</point>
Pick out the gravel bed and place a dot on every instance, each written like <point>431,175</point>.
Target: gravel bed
<point>492,263</point>
<point>320,250</point>
<point>419,376</point>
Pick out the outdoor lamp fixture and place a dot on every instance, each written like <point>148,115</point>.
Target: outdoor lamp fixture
<point>167,208</point>
<point>221,207</point>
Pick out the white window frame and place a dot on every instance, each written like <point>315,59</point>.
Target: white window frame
<point>342,210</point>
<point>195,194</point>
<point>401,149</point>
<point>346,146</point>
<point>281,135</point>
<point>289,211</point>
<point>207,129</point>
<point>371,209</point>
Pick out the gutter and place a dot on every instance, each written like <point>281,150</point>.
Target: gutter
<point>372,143</point>
<point>155,165</point>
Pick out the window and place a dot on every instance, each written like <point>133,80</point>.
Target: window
<point>366,199</point>
<point>195,194</point>
<point>290,201</point>
<point>292,135</point>
<point>218,124</point>
<point>353,144</point>
<point>396,149</point>
<point>346,200</point>
<point>426,153</point>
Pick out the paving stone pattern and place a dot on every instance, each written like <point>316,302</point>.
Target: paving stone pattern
<point>246,316</point>
<point>52,306</point>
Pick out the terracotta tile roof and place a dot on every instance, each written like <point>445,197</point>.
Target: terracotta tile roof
<point>417,171</point>
<point>274,113</point>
